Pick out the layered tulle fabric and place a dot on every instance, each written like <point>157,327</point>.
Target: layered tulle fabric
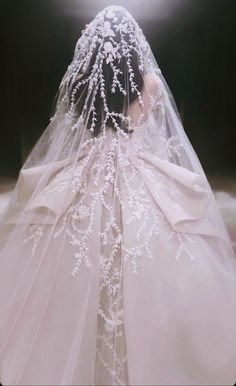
<point>138,301</point>
<point>115,265</point>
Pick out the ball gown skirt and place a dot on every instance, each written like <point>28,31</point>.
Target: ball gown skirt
<point>126,287</point>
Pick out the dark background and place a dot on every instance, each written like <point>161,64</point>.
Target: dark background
<point>193,42</point>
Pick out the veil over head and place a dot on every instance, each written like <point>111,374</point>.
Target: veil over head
<point>113,100</point>
<point>115,138</point>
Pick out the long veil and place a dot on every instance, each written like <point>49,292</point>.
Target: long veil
<point>114,119</point>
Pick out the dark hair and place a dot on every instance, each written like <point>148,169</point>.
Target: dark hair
<point>117,102</point>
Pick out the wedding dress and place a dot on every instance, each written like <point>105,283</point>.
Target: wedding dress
<point>115,265</point>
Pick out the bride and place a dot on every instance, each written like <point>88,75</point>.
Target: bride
<point>115,265</point>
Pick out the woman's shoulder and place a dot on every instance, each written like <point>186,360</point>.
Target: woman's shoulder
<point>151,82</point>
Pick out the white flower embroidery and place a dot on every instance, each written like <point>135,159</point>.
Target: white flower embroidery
<point>107,31</point>
<point>110,51</point>
<point>122,28</point>
<point>108,47</point>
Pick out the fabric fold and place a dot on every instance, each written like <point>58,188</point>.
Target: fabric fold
<point>182,195</point>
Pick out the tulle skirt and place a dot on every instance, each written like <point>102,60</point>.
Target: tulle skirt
<point>139,299</point>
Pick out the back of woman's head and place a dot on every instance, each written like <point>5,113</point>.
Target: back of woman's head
<point>108,70</point>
